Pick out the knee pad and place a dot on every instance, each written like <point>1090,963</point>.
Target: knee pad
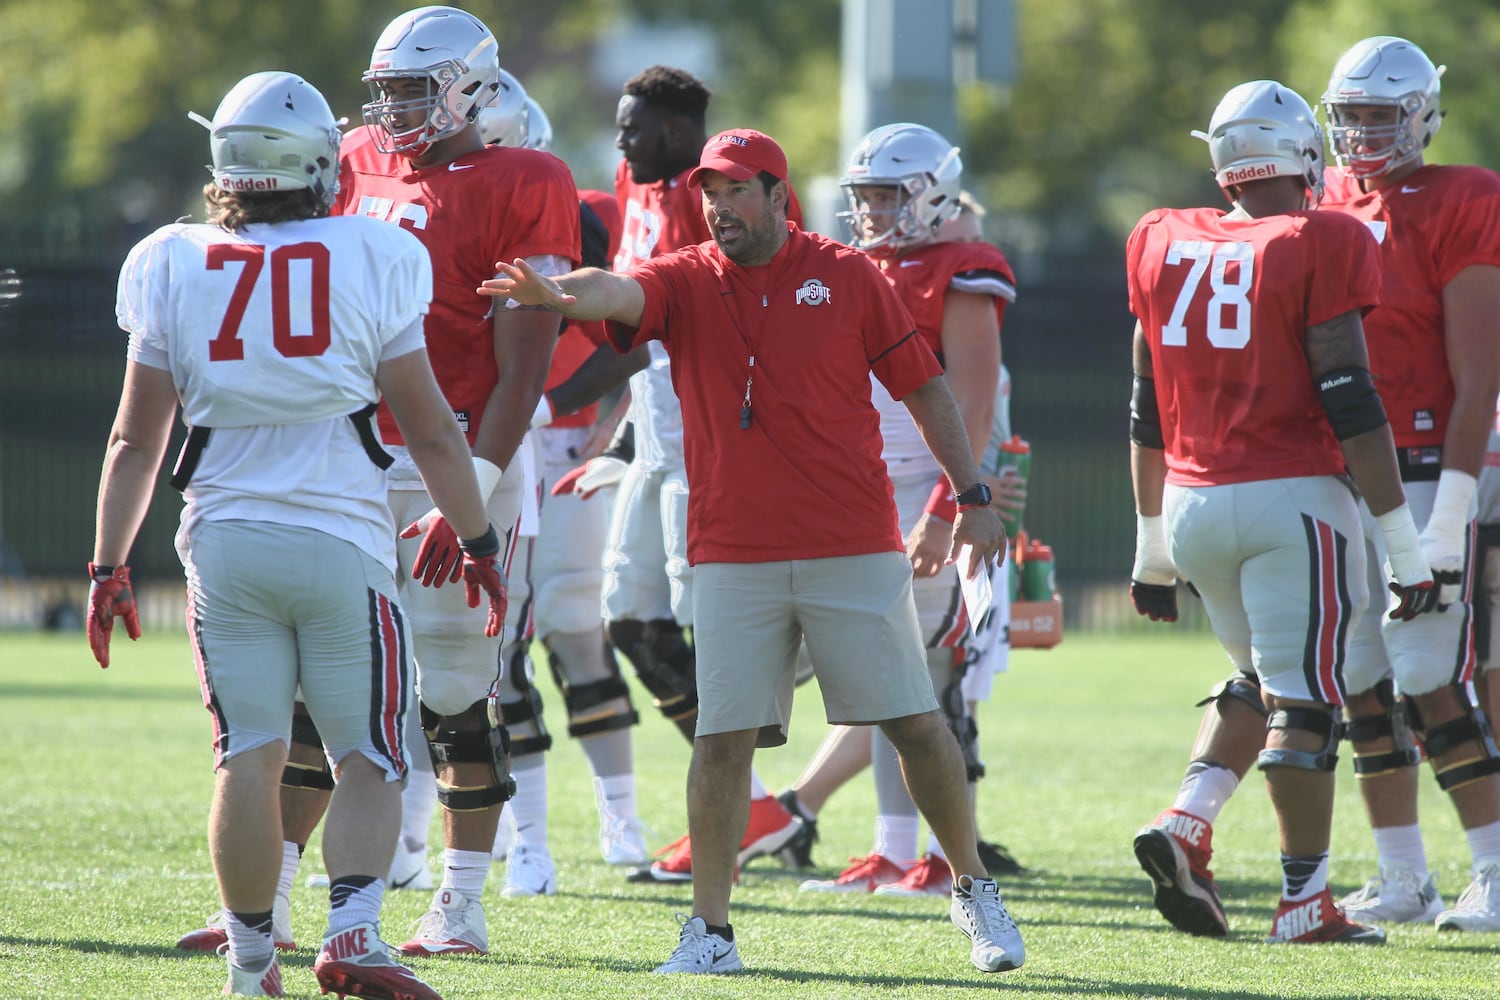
<point>1393,722</point>
<point>963,726</point>
<point>524,712</point>
<point>1311,720</point>
<point>1470,727</point>
<point>1239,687</point>
<point>297,774</point>
<point>474,736</point>
<point>583,696</point>
<point>663,661</point>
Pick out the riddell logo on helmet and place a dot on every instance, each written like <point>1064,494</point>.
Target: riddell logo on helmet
<point>248,184</point>
<point>1239,175</point>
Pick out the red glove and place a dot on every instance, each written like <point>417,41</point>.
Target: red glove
<point>481,572</point>
<point>439,559</point>
<point>110,595</point>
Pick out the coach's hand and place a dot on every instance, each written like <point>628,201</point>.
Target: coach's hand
<point>980,528</point>
<point>1153,579</point>
<point>110,595</point>
<point>481,572</point>
<point>591,476</point>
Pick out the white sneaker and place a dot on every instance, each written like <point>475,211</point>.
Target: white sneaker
<point>215,934</point>
<point>1395,896</point>
<point>698,951</point>
<point>409,869</point>
<point>979,913</point>
<point>623,842</point>
<point>1478,907</point>
<point>262,982</point>
<point>453,926</point>
<point>529,872</point>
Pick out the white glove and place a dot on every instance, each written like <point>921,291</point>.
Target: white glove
<point>1444,539</point>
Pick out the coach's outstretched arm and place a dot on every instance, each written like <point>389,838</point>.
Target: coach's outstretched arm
<point>586,294</point>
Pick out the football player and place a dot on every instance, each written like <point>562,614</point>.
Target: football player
<point>1252,394</point>
<point>278,329</point>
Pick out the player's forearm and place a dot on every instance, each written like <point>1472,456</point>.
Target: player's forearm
<point>125,488</point>
<point>1470,422</point>
<point>1148,478</point>
<point>942,429</point>
<point>1371,458</point>
<point>443,459</point>
<point>600,372</point>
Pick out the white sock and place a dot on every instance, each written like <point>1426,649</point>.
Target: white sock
<point>1204,790</point>
<point>615,796</point>
<point>757,787</point>
<point>1303,878</point>
<point>1484,845</point>
<point>350,907</point>
<point>291,857</point>
<point>465,871</point>
<point>418,800</point>
<point>1401,847</point>
<point>896,837</point>
<point>249,947</point>
<point>529,805</point>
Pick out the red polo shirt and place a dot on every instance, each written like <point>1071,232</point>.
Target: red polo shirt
<point>805,480</point>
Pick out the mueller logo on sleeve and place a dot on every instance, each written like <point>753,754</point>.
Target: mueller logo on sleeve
<point>813,293</point>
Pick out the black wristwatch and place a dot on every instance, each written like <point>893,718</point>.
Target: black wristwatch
<point>977,495</point>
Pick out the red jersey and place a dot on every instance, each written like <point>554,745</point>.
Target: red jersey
<point>924,274</point>
<point>496,203</point>
<point>1224,305</point>
<point>805,479</point>
<point>579,340</point>
<point>1431,226</point>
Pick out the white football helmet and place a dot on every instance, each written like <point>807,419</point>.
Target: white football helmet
<point>1383,70</point>
<point>458,57</point>
<point>503,122</point>
<point>274,132</point>
<point>924,168</point>
<point>1261,129</point>
<point>538,127</point>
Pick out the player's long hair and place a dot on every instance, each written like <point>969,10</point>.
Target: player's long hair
<point>234,210</point>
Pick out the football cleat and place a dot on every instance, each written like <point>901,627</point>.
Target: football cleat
<point>929,877</point>
<point>529,872</point>
<point>998,860</point>
<point>215,936</point>
<point>356,962</point>
<point>1395,896</point>
<point>862,875</point>
<point>979,913</point>
<point>262,982</point>
<point>700,952</point>
<point>1478,907</point>
<point>798,851</point>
<point>1319,920</point>
<point>769,829</point>
<point>453,926</point>
<point>1174,851</point>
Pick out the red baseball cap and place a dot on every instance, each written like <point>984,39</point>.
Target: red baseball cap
<point>740,154</point>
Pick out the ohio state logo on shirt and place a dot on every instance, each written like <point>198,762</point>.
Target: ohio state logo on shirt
<point>813,293</point>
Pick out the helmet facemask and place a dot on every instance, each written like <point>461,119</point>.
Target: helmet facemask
<point>925,171</point>
<point>1382,72</point>
<point>437,107</point>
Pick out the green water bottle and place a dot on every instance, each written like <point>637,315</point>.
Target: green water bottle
<point>1038,576</point>
<point>1012,457</point>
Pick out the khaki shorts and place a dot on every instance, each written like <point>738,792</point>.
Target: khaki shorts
<point>271,607</point>
<point>857,616</point>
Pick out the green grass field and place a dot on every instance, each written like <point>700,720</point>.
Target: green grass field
<point>105,782</point>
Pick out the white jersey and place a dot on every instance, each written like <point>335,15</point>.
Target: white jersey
<point>272,336</point>
<point>656,413</point>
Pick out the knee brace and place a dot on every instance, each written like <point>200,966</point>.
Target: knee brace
<point>583,697</point>
<point>297,774</point>
<point>1471,727</point>
<point>1312,720</point>
<point>963,726</point>
<point>527,711</point>
<point>475,736</point>
<point>663,661</point>
<point>1392,722</point>
<point>1240,687</point>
